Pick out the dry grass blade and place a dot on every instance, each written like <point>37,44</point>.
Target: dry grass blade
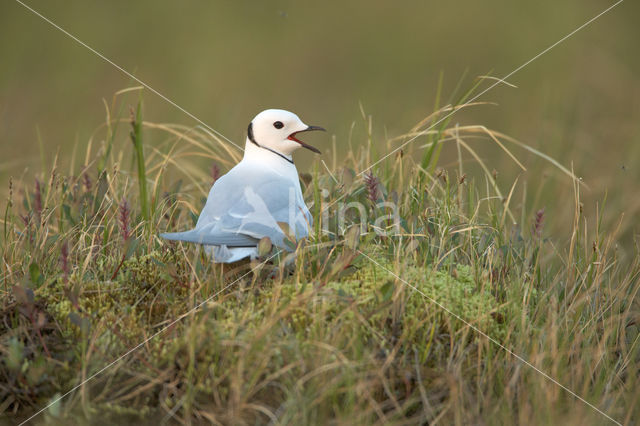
<point>323,334</point>
<point>529,148</point>
<point>447,109</point>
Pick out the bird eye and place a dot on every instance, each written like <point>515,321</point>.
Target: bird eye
<point>278,125</point>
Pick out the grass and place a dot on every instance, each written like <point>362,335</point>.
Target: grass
<point>323,335</point>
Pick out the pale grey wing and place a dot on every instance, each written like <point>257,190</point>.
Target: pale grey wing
<point>246,205</point>
<point>229,239</point>
<point>260,208</point>
<point>228,194</point>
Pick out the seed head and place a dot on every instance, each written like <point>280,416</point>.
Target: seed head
<point>538,223</point>
<point>124,217</point>
<point>215,172</point>
<point>64,259</point>
<point>373,187</point>
<point>86,181</point>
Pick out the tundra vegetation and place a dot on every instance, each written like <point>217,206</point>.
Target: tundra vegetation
<point>356,326</point>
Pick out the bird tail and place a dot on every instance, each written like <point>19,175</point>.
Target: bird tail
<point>229,239</point>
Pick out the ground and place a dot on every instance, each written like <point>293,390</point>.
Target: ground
<point>459,315</point>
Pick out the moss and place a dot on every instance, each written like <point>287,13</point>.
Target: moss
<point>374,294</point>
<point>341,338</point>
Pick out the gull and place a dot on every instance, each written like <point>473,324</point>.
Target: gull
<point>257,195</point>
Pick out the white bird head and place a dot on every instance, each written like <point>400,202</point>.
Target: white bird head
<point>276,130</point>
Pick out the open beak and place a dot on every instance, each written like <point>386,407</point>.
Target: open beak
<point>292,137</point>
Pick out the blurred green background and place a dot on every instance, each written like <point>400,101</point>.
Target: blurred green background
<point>224,61</point>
